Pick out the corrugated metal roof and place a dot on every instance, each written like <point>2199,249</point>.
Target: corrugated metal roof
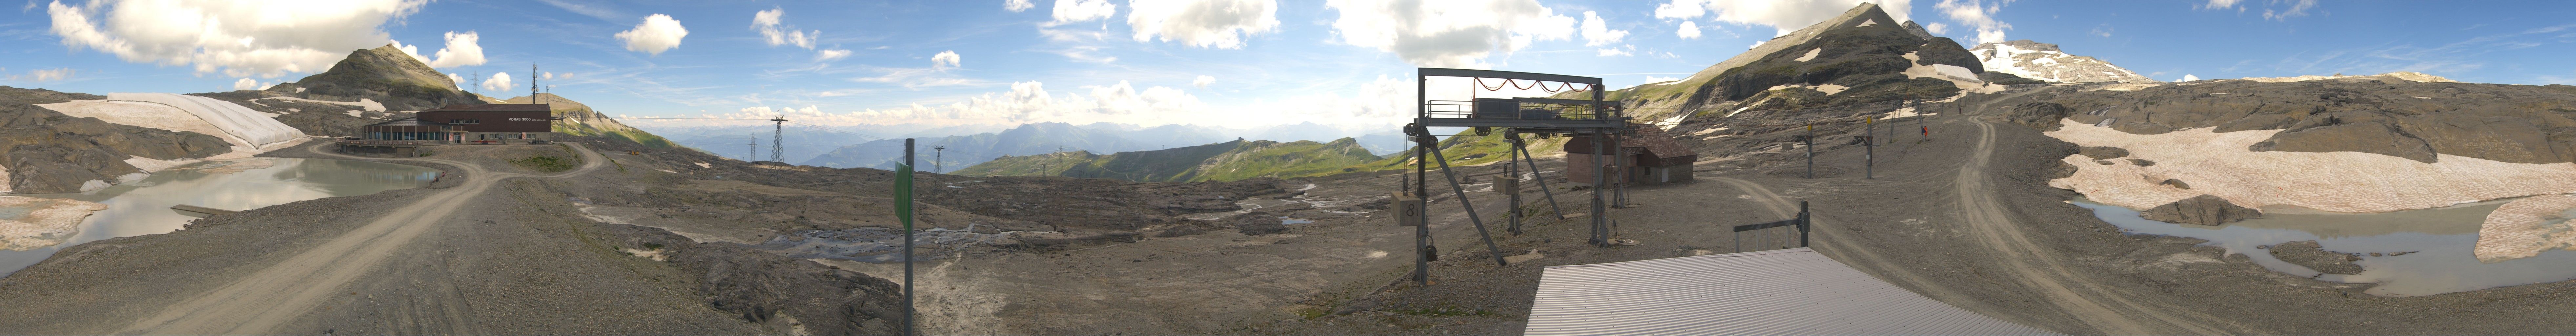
<point>1778,292</point>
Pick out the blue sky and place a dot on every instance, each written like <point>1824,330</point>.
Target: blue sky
<point>1232,63</point>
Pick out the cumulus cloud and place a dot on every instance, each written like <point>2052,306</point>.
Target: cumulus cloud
<point>2188,77</point>
<point>412,50</point>
<point>43,75</point>
<point>2278,10</point>
<point>248,84</point>
<point>1654,79</point>
<point>1597,33</point>
<point>498,82</point>
<point>236,38</point>
<point>459,81</point>
<point>945,60</point>
<point>1018,5</point>
<point>1444,34</point>
<point>1070,11</point>
<point>1689,30</point>
<point>549,75</point>
<point>1975,13</point>
<point>830,54</point>
<point>1025,102</point>
<point>1784,16</point>
<point>778,33</point>
<point>658,33</point>
<point>461,50</point>
<point>1937,28</point>
<point>1203,81</point>
<point>1202,23</point>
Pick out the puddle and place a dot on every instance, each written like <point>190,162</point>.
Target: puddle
<point>2445,237</point>
<point>143,207</point>
<point>1284,220</point>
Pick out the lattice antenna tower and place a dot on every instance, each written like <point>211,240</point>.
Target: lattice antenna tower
<point>778,140</point>
<point>532,85</point>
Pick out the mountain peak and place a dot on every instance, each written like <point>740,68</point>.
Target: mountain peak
<point>2044,61</point>
<point>385,74</point>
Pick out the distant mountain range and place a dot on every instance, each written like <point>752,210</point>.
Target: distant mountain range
<point>1027,139</point>
<point>1224,161</point>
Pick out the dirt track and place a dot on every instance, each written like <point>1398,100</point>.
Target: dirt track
<point>257,304</point>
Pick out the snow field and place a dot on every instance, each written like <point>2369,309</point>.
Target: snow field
<point>252,127</point>
<point>44,221</point>
<point>2526,227</point>
<point>2351,182</point>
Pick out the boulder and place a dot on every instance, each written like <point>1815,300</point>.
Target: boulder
<point>2101,152</point>
<point>2312,256</point>
<point>2141,162</point>
<point>2177,184</point>
<point>2203,210</point>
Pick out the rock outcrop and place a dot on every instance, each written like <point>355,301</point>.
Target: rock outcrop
<point>2102,152</point>
<point>2043,61</point>
<point>2203,210</point>
<point>2315,257</point>
<point>2414,120</point>
<point>1872,63</point>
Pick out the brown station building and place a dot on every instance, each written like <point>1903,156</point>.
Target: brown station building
<point>470,123</point>
<point>1648,158</point>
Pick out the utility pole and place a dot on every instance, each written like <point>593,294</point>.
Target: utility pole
<point>751,153</point>
<point>1811,150</point>
<point>903,196</point>
<point>1869,151</point>
<point>778,140</point>
<point>937,156</point>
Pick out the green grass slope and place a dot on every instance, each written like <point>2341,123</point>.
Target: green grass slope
<point>1224,161</point>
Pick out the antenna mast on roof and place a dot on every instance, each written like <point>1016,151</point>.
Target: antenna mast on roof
<point>532,85</point>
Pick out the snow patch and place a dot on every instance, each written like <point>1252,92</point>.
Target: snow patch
<point>94,185</point>
<point>1870,22</point>
<point>1811,54</point>
<point>354,113</point>
<point>242,122</point>
<point>28,223</point>
<point>1831,89</point>
<point>2526,227</point>
<point>2422,97</point>
<point>369,104</point>
<point>2218,164</point>
<point>703,165</point>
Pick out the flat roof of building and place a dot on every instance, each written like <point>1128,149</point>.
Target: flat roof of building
<point>493,107</point>
<point>407,122</point>
<point>1778,292</point>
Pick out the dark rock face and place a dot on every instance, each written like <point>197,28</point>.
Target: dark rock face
<point>2203,210</point>
<point>1257,223</point>
<point>2143,163</point>
<point>2374,138</point>
<point>2040,115</point>
<point>2102,152</point>
<point>48,152</point>
<point>763,286</point>
<point>2315,257</point>
<point>1998,77</point>
<point>2413,120</point>
<point>2178,184</point>
<point>385,74</point>
<point>1916,29</point>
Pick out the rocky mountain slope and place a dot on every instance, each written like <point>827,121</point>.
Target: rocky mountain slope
<point>385,75</point>
<point>1862,56</point>
<point>579,119</point>
<point>1224,161</point>
<point>2043,61</point>
<point>1027,139</point>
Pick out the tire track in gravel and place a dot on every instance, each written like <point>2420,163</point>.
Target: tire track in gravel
<point>280,293</point>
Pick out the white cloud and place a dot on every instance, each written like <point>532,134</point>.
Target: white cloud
<point>236,38</point>
<point>1597,33</point>
<point>1937,28</point>
<point>770,27</point>
<point>946,59</point>
<point>567,75</point>
<point>412,50</point>
<point>1202,23</point>
<point>43,75</point>
<point>658,33</point>
<point>1619,51</point>
<point>1025,102</point>
<point>2216,4</point>
<point>455,79</point>
<point>1442,34</point>
<point>1784,16</point>
<point>1653,79</point>
<point>2285,9</point>
<point>248,84</point>
<point>830,54</point>
<point>1975,13</point>
<point>1689,30</point>
<point>461,50</point>
<point>2188,77</point>
<point>2103,30</point>
<point>549,75</point>
<point>1018,5</point>
<point>498,82</point>
<point>1203,81</point>
<point>1070,11</point>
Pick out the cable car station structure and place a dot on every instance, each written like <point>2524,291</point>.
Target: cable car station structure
<point>1594,118</point>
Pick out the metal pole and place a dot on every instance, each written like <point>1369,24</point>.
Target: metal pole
<point>1869,149</point>
<point>1803,224</point>
<point>1511,172</point>
<point>1599,180</point>
<point>903,195</point>
<point>1422,249</point>
<point>778,141</point>
<point>1472,217</point>
<point>1811,151</point>
<point>1542,180</point>
<point>938,155</point>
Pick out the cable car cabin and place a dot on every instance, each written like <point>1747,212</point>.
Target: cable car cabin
<point>1646,158</point>
<point>497,123</point>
